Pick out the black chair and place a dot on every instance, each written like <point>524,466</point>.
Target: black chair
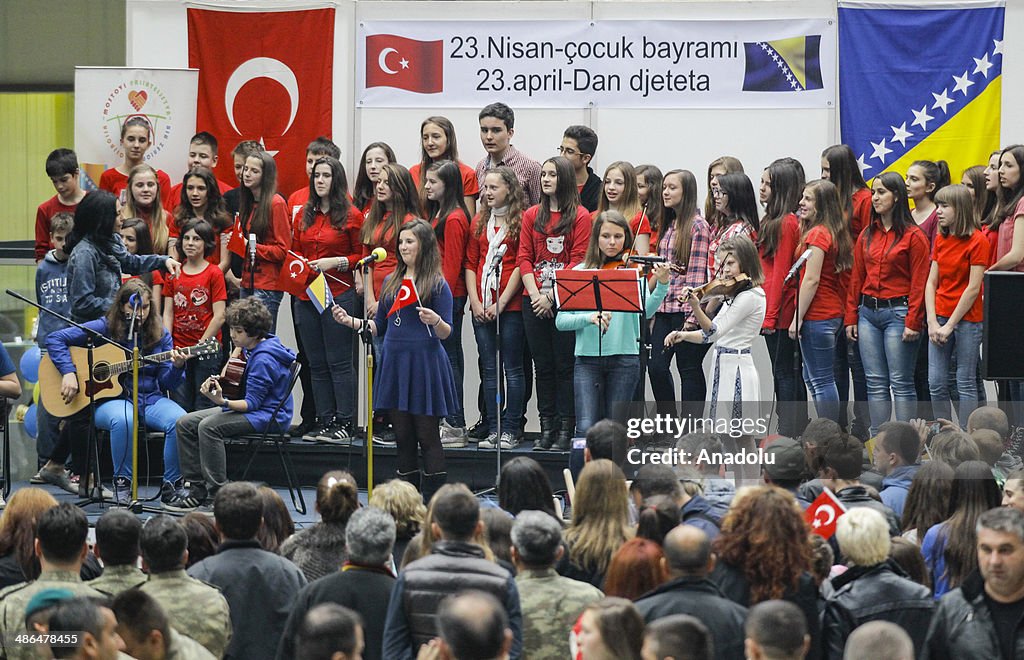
<point>279,436</point>
<point>5,437</point>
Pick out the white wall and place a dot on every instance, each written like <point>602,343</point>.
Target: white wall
<point>690,139</point>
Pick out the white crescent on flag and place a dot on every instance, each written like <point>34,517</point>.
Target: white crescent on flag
<point>830,516</point>
<point>291,268</point>
<point>404,293</point>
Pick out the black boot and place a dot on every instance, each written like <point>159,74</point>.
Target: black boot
<point>565,435</point>
<point>412,477</point>
<point>548,434</point>
<point>432,483</point>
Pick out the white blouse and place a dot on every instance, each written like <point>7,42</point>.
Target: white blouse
<point>739,320</point>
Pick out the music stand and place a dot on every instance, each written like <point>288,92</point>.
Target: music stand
<point>600,291</point>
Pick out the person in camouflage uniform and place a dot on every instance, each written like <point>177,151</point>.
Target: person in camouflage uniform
<point>550,603</point>
<point>143,625</point>
<point>117,544</point>
<point>194,608</point>
<point>61,533</point>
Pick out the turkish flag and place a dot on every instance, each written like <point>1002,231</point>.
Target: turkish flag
<point>295,274</point>
<point>824,513</point>
<point>264,76</point>
<point>409,64</point>
<point>236,243</point>
<point>406,296</point>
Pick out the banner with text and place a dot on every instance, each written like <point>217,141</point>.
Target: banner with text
<point>570,64</point>
<point>106,97</point>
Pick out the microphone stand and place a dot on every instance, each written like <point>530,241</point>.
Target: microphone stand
<point>367,340</point>
<point>93,495</point>
<point>493,272</point>
<point>797,357</point>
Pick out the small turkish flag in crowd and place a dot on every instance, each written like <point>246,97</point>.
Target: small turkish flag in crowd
<point>236,243</point>
<point>295,274</point>
<point>409,64</point>
<point>824,513</point>
<point>406,296</point>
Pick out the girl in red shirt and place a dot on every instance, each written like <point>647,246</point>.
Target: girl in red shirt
<point>142,200</point>
<point>374,158</point>
<point>924,179</point>
<point>1006,230</point>
<point>953,301</point>
<point>648,188</point>
<point>819,318</point>
<point>619,192</point>
<point>265,214</point>
<point>554,236</point>
<point>449,216</point>
<point>194,309</point>
<point>438,143</point>
<point>885,301</point>
<point>327,235</point>
<point>201,198</point>
<point>136,139</point>
<point>495,297</point>
<point>782,183</point>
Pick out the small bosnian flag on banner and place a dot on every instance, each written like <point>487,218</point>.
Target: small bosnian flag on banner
<point>320,293</point>
<point>824,513</point>
<point>406,296</point>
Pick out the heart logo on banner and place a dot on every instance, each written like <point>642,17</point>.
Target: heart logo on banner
<point>138,99</point>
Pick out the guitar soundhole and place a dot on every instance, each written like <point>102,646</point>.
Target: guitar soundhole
<point>101,372</point>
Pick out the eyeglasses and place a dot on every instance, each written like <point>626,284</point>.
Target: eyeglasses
<point>567,151</point>
<point>718,192</point>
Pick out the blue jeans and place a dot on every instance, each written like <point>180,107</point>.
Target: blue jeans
<point>328,346</point>
<point>965,342</point>
<point>790,391</point>
<point>272,299</point>
<point>818,346</point>
<point>453,347</point>
<point>512,338</point>
<point>888,363</point>
<point>689,361</point>
<point>116,416</point>
<point>604,388</point>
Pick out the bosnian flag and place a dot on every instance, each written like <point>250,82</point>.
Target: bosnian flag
<point>824,513</point>
<point>319,293</point>
<point>406,296</point>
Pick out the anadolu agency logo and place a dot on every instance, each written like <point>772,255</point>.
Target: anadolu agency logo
<point>137,98</point>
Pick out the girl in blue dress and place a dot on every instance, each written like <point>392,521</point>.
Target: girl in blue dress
<point>415,380</point>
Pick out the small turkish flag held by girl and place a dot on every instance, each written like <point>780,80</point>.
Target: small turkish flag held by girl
<point>295,274</point>
<point>409,64</point>
<point>236,243</point>
<point>824,513</point>
<point>406,296</point>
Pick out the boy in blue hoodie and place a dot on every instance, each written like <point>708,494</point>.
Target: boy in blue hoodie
<point>52,293</point>
<point>201,434</point>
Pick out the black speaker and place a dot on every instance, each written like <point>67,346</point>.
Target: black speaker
<point>1002,344</point>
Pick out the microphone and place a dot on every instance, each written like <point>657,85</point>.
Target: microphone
<point>378,254</point>
<point>252,251</point>
<point>135,301</point>
<point>649,259</point>
<point>499,254</point>
<point>797,265</point>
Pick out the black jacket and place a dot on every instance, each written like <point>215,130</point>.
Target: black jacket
<point>857,496</point>
<point>734,585</point>
<point>699,597</point>
<point>963,627</point>
<point>590,196</point>
<point>875,593</point>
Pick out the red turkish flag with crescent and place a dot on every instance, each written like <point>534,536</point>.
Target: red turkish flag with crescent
<point>406,296</point>
<point>403,63</point>
<point>824,513</point>
<point>264,76</point>
<point>295,274</point>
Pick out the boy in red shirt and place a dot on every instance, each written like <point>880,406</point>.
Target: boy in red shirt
<point>62,168</point>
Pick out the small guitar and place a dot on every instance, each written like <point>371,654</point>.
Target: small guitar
<point>232,383</point>
<point>103,383</point>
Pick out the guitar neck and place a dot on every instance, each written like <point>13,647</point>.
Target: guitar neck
<point>123,367</point>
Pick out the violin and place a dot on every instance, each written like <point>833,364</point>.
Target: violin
<point>725,287</point>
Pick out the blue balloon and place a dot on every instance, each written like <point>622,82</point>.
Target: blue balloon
<point>31,422</point>
<point>30,364</point>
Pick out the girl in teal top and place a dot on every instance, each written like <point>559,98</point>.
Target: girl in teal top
<point>607,368</point>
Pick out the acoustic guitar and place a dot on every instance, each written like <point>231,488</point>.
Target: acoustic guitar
<point>108,363</point>
<point>232,383</point>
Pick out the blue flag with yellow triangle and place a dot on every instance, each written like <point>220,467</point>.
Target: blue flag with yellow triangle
<point>783,65</point>
<point>319,293</point>
<point>920,81</point>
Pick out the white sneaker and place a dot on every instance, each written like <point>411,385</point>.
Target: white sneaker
<point>510,441</point>
<point>453,442</point>
<point>490,442</point>
<point>447,430</point>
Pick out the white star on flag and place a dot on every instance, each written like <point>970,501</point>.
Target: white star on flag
<point>962,83</point>
<point>862,165</point>
<point>998,50</point>
<point>269,151</point>
<point>900,134</point>
<point>880,151</point>
<point>983,65</point>
<point>404,62</point>
<point>942,100</point>
<point>921,117</point>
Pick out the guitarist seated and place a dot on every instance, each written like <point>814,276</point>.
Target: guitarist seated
<point>115,415</point>
<point>201,434</point>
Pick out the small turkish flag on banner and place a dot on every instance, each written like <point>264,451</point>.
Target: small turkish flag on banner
<point>823,514</point>
<point>264,76</point>
<point>295,274</point>
<point>409,64</point>
<point>406,296</point>
<point>236,244</point>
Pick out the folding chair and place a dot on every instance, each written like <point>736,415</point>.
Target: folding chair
<point>279,436</point>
